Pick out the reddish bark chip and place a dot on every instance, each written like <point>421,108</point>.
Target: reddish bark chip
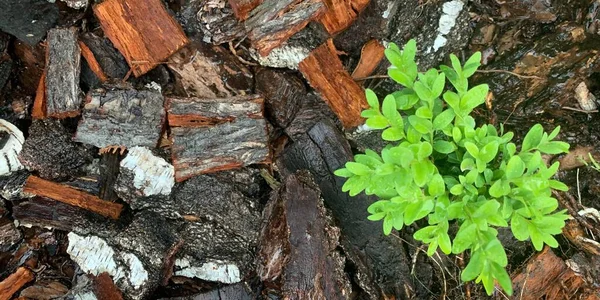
<point>341,14</point>
<point>142,30</point>
<point>241,8</point>
<point>370,56</point>
<point>325,72</point>
<point>212,135</point>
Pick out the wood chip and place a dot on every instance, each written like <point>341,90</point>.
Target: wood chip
<point>216,134</point>
<point>15,282</point>
<point>63,97</point>
<point>72,196</point>
<point>370,56</point>
<point>325,72</point>
<point>241,8</point>
<point>38,110</point>
<point>142,30</point>
<point>341,14</point>
<point>92,62</point>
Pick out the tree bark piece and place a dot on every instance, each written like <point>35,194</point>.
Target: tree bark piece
<point>297,251</point>
<point>9,234</point>
<point>72,196</point>
<point>216,134</point>
<point>15,282</point>
<point>341,14</point>
<point>112,63</point>
<point>11,143</point>
<point>283,92</point>
<point>325,72</point>
<point>62,73</point>
<point>209,71</point>
<point>108,119</point>
<point>274,21</point>
<point>370,56</point>
<point>241,8</point>
<point>50,150</point>
<point>142,30</point>
<point>38,110</point>
<point>28,20</point>
<point>382,266</point>
<point>89,57</point>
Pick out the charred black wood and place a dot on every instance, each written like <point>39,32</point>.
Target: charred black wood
<point>11,186</point>
<point>112,62</point>
<point>298,244</point>
<point>381,262</point>
<point>123,117</point>
<point>50,150</point>
<point>28,20</point>
<point>109,170</point>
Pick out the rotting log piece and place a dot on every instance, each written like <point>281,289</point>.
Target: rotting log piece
<point>209,71</point>
<point>341,14</point>
<point>62,73</point>
<point>211,135</point>
<point>50,150</point>
<point>15,282</point>
<point>274,21</point>
<point>298,244</point>
<point>123,117</point>
<point>72,196</point>
<point>325,72</point>
<point>142,30</point>
<point>382,266</point>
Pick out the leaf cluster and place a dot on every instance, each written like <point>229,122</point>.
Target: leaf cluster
<point>439,166</point>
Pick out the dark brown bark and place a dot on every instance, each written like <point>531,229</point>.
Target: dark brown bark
<point>89,57</point>
<point>298,242</point>
<point>62,73</point>
<point>283,92</point>
<point>122,117</point>
<point>142,30</point>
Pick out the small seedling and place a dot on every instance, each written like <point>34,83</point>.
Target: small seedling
<point>438,165</point>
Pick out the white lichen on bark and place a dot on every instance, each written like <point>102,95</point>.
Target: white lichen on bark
<point>285,56</point>
<point>11,143</point>
<point>152,174</point>
<point>450,12</point>
<point>212,270</point>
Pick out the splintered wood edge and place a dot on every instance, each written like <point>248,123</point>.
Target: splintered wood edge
<point>325,73</point>
<point>137,67</point>
<point>370,56</point>
<point>15,282</point>
<point>241,8</point>
<point>38,110</point>
<point>89,57</point>
<point>341,14</point>
<point>72,196</point>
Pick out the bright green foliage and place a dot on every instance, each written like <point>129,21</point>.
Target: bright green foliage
<point>440,166</point>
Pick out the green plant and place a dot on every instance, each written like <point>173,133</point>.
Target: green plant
<point>440,166</point>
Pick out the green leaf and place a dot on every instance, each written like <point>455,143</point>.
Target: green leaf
<point>436,185</point>
<point>358,169</point>
<point>557,185</point>
<point>515,167</point>
<point>457,189</point>
<point>424,112</point>
<point>495,252</point>
<point>467,164</point>
<point>377,122</point>
<point>401,77</point>
<point>445,243</point>
<point>554,147</point>
<point>444,147</point>
<point>453,100</point>
<point>518,226</point>
<point>537,238</point>
<point>421,125</point>
<point>490,207</point>
<point>474,97</point>
<point>343,172</point>
<point>425,234</point>
<point>443,119</point>
<point>474,267</point>
<point>389,109</point>
<point>472,64</point>
<point>496,189</point>
<point>392,134</point>
<point>423,91</point>
<point>456,64</point>
<point>456,134</point>
<point>425,150</point>
<point>387,224</point>
<point>438,85</point>
<point>489,151</point>
<point>420,172</point>
<point>532,138</point>
<point>372,98</point>
<point>503,279</point>
<point>554,133</point>
<point>472,149</point>
<point>417,210</point>
<point>410,50</point>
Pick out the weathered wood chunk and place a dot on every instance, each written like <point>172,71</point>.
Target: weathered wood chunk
<point>49,290</point>
<point>325,72</point>
<point>274,21</point>
<point>297,244</point>
<point>241,8</point>
<point>9,234</point>
<point>50,150</point>
<point>38,111</point>
<point>142,30</point>
<point>11,186</point>
<point>125,117</point>
<point>143,174</point>
<point>111,62</point>
<point>211,135</point>
<point>89,57</point>
<point>72,196</point>
<point>370,56</point>
<point>15,282</point>
<point>283,92</point>
<point>209,71</point>
<point>341,13</point>
<point>62,73</point>
<point>28,20</point>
